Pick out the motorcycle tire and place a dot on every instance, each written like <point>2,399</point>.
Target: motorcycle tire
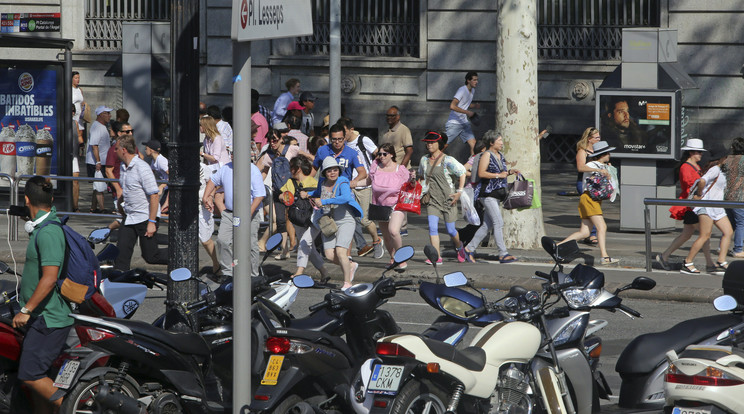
<point>80,398</point>
<point>416,395</point>
<point>286,405</point>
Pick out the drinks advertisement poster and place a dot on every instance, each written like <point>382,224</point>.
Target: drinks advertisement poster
<point>29,103</point>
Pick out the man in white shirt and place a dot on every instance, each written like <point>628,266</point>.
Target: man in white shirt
<point>98,146</point>
<point>458,123</point>
<point>280,106</point>
<point>225,129</point>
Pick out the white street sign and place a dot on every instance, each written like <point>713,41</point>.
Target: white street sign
<point>270,19</point>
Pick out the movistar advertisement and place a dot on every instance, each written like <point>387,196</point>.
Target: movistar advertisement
<point>640,124</point>
<point>30,101</point>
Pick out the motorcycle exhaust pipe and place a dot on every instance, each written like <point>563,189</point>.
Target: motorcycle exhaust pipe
<point>118,402</point>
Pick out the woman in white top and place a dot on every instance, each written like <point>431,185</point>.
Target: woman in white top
<point>711,186</point>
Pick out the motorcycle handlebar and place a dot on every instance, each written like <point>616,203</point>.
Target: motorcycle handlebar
<point>321,305</point>
<point>404,283</point>
<point>476,312</point>
<point>274,278</point>
<point>630,311</point>
<point>542,275</point>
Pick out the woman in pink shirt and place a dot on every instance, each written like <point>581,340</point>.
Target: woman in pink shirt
<point>214,153</point>
<point>387,178</point>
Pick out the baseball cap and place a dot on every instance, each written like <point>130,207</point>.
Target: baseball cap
<point>153,145</point>
<point>103,108</point>
<point>294,105</point>
<point>281,126</point>
<point>307,96</point>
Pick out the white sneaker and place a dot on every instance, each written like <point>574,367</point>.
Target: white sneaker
<point>379,249</point>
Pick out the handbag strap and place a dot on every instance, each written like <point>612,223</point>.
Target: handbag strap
<point>432,165</point>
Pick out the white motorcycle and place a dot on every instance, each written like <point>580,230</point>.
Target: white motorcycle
<point>708,379</point>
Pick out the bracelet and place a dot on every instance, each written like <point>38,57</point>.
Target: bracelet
<point>152,221</point>
<point>459,190</point>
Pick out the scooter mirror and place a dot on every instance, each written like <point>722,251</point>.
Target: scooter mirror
<point>548,245</point>
<point>643,283</point>
<point>181,274</point>
<point>4,267</point>
<point>431,253</point>
<point>99,235</point>
<point>303,281</point>
<point>403,254</point>
<point>455,279</point>
<point>725,303</point>
<point>274,242</point>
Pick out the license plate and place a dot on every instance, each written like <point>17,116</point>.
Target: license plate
<point>385,379</point>
<point>707,409</point>
<point>272,370</point>
<point>66,374</point>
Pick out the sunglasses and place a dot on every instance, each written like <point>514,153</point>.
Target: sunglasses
<point>337,139</point>
<point>382,154</point>
<point>127,131</point>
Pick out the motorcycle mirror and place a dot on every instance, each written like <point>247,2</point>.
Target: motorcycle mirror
<point>403,254</point>
<point>99,235</point>
<point>181,274</point>
<point>108,253</point>
<point>431,253</point>
<point>455,279</point>
<point>303,281</point>
<point>548,245</point>
<point>273,242</point>
<point>725,303</point>
<point>4,267</point>
<point>643,283</point>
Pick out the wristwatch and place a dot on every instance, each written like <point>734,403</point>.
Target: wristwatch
<point>25,311</point>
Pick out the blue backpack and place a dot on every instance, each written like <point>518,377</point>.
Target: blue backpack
<point>81,272</point>
<point>280,173</point>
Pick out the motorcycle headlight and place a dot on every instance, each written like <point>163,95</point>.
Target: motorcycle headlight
<point>577,298</point>
<point>565,334</point>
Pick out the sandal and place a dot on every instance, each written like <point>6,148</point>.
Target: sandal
<point>591,240</point>
<point>609,260</point>
<point>507,259</point>
<point>720,268</point>
<point>689,269</point>
<point>663,263</point>
<point>468,256</point>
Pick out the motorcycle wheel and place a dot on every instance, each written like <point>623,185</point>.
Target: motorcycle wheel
<point>420,397</point>
<point>80,398</point>
<point>285,407</point>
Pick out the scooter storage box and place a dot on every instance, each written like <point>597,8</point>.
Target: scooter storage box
<point>733,281</point>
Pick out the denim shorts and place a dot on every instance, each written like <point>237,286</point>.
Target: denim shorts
<point>454,129</point>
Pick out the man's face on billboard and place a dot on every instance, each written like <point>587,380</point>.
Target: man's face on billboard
<point>621,115</point>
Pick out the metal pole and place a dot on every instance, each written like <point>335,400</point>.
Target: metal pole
<point>647,227</point>
<point>69,144</point>
<point>183,148</point>
<point>334,90</point>
<point>242,229</point>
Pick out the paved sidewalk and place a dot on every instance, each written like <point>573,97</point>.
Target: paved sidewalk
<point>561,219</point>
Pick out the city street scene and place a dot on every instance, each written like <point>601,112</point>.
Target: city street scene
<point>370,207</point>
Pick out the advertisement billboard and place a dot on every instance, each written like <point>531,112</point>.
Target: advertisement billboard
<point>640,124</point>
<point>31,129</point>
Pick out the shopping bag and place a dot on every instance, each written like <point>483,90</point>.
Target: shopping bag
<point>678,212</point>
<point>409,198</point>
<point>535,196</point>
<point>468,207</point>
<point>98,185</point>
<point>519,194</point>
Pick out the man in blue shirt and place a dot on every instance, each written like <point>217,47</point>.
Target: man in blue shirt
<point>347,158</point>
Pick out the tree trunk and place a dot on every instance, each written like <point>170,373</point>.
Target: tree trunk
<point>516,111</point>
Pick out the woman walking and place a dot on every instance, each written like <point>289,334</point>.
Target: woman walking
<point>733,167</point>
<point>333,197</point>
<point>689,172</point>
<point>387,178</point>
<point>435,173</point>
<point>590,210</point>
<point>215,152</point>
<point>583,152</point>
<point>493,173</point>
<point>710,187</point>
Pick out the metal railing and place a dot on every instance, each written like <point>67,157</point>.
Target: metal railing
<point>103,19</point>
<point>676,202</point>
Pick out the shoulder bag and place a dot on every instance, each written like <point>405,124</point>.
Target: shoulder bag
<point>426,197</point>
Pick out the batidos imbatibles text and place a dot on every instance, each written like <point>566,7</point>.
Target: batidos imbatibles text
<point>24,105</point>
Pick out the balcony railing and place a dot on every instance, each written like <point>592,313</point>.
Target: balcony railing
<point>103,19</point>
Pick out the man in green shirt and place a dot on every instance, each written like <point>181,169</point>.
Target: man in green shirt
<point>44,312</point>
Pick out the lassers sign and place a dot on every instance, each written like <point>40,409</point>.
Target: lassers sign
<point>271,19</point>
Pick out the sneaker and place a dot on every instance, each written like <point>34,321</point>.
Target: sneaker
<point>379,232</point>
<point>365,250</point>
<point>608,260</point>
<point>429,261</point>
<point>461,257</point>
<point>379,248</point>
<point>403,266</point>
<point>404,233</point>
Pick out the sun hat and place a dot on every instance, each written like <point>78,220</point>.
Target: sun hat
<point>693,144</point>
<point>432,136</point>
<point>330,162</point>
<point>600,148</point>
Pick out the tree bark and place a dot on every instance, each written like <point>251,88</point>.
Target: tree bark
<point>516,111</point>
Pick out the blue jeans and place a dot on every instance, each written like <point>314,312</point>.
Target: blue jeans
<point>738,219</point>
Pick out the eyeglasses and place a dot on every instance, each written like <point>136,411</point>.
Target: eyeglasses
<point>274,140</point>
<point>337,139</point>
<point>127,131</point>
<point>382,154</point>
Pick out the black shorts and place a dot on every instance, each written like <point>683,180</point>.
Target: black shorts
<point>379,213</point>
<point>690,218</point>
<point>41,346</point>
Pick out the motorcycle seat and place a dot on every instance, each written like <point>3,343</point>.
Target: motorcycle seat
<point>321,321</point>
<point>644,353</point>
<point>472,358</point>
<point>185,343</point>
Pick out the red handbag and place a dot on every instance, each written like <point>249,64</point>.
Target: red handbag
<point>409,198</point>
<point>678,212</point>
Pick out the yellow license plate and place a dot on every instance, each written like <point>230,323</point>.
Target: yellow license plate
<point>272,370</point>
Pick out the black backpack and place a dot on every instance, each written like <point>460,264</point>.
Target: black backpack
<point>301,211</point>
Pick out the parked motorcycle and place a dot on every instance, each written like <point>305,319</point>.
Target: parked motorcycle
<point>643,363</point>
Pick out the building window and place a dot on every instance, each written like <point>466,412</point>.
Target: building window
<point>103,19</point>
<point>369,28</point>
<point>590,29</point>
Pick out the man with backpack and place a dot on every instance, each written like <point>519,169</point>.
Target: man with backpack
<point>44,311</point>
